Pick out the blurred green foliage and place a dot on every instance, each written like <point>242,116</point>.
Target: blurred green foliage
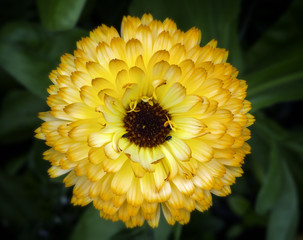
<point>265,41</point>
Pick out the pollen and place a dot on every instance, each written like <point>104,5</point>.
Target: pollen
<point>146,125</point>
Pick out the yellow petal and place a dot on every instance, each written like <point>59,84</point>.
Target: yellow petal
<point>81,187</point>
<point>169,97</point>
<point>170,26</point>
<point>80,79</point>
<point>167,214</point>
<point>95,70</point>
<point>133,49</point>
<point>89,47</point>
<point>118,47</point>
<point>160,69</point>
<point>138,76</point>
<point>161,55</point>
<point>162,42</point>
<point>122,179</point>
<point>55,171</point>
<point>148,156</point>
<point>70,179</point>
<point>203,179</point>
<point>146,19</point>
<point>123,213</point>
<point>69,95</point>
<point>89,96</point>
<point>192,38</point>
<point>165,192</point>
<point>104,54</point>
<point>81,167</point>
<point>138,170</point>
<point>96,155</point>
<point>134,195</point>
<point>183,107</point>
<point>80,111</point>
<point>110,152</point>
<point>98,139</point>
<point>148,189</point>
<point>144,35</point>
<point>81,132</point>
<point>128,28</point>
<point>177,53</point>
<point>105,188</point>
<point>169,163</point>
<point>173,74</point>
<point>187,127</point>
<point>185,186</point>
<point>116,66</point>
<point>176,199</point>
<point>95,172</point>
<point>154,222</point>
<point>160,175</point>
<point>200,150</point>
<point>179,149</point>
<point>77,151</point>
<point>113,166</point>
<point>195,81</point>
<point>224,191</point>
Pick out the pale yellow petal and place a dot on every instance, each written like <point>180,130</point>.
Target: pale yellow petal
<point>80,111</point>
<point>114,165</point>
<point>179,149</point>
<point>134,195</point>
<point>122,179</point>
<point>170,96</point>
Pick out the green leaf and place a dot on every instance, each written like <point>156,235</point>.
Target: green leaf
<point>18,205</point>
<point>7,83</point>
<point>270,129</point>
<point>239,204</point>
<point>234,231</point>
<point>163,231</point>
<point>92,227</point>
<point>290,91</point>
<point>29,53</point>
<point>259,153</point>
<point>35,160</point>
<point>281,42</point>
<point>283,205</point>
<point>279,82</point>
<point>273,131</point>
<point>272,186</point>
<point>283,220</point>
<point>19,115</point>
<point>274,75</point>
<point>177,231</point>
<point>275,62</point>
<point>216,19</point>
<point>15,164</point>
<point>58,15</point>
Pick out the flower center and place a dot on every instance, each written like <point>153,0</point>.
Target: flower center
<point>146,124</point>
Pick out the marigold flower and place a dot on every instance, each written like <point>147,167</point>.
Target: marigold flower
<point>146,120</point>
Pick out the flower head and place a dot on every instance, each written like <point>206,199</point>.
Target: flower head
<point>146,120</point>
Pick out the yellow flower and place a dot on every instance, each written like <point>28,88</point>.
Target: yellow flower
<point>146,120</point>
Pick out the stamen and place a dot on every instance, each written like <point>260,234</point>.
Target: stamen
<point>148,100</point>
<point>170,124</point>
<point>132,106</point>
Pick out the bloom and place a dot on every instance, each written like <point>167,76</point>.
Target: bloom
<point>146,120</point>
